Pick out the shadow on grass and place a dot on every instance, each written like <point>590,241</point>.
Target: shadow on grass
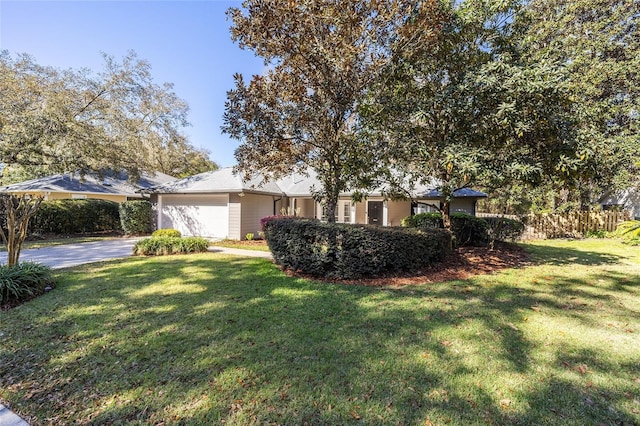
<point>570,256</point>
<point>201,340</point>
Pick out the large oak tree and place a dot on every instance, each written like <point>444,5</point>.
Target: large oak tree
<point>321,59</point>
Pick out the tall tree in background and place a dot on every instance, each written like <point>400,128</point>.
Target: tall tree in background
<point>322,56</point>
<point>467,109</point>
<point>599,43</point>
<point>69,120</point>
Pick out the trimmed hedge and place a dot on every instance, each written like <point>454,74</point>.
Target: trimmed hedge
<point>136,217</point>
<point>75,217</point>
<point>348,251</point>
<point>423,220</point>
<point>23,281</point>
<point>166,233</point>
<point>158,246</point>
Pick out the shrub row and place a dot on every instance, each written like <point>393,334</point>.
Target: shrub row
<point>136,217</point>
<point>157,246</point>
<point>75,217</point>
<point>23,281</point>
<point>470,230</point>
<point>352,251</point>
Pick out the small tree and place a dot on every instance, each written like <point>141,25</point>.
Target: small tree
<point>17,212</point>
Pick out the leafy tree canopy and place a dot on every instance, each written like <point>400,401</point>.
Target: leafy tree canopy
<point>56,120</point>
<point>322,57</point>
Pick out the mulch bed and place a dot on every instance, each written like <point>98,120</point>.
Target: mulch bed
<point>465,262</point>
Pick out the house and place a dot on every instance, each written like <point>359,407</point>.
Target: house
<point>111,186</point>
<point>627,199</point>
<point>220,204</point>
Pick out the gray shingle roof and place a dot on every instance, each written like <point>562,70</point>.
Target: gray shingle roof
<point>459,193</point>
<point>217,181</point>
<point>110,184</point>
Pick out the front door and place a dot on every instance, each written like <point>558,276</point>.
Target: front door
<point>375,212</point>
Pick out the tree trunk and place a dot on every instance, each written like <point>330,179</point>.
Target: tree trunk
<point>18,211</point>
<point>446,213</point>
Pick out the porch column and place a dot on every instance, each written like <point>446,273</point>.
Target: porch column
<point>385,213</point>
<point>352,219</point>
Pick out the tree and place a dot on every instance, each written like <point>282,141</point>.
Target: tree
<point>57,121</point>
<point>598,42</point>
<point>74,120</point>
<point>17,211</point>
<point>322,56</point>
<point>468,109</point>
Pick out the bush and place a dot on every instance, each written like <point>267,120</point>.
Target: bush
<point>157,246</point>
<point>468,230</point>
<point>166,233</point>
<point>504,229</point>
<point>352,251</point>
<point>75,217</point>
<point>423,220</point>
<point>135,217</point>
<point>23,281</point>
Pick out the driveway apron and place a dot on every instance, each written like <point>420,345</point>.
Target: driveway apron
<point>66,255</point>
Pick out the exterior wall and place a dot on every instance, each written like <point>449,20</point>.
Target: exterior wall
<point>306,206</point>
<point>463,205</point>
<point>254,208</point>
<point>69,195</point>
<point>235,217</point>
<point>398,210</point>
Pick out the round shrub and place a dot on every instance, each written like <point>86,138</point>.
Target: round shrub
<point>136,217</point>
<point>75,217</point>
<point>504,229</point>
<point>352,251</point>
<point>469,230</point>
<point>166,233</point>
<point>158,246</point>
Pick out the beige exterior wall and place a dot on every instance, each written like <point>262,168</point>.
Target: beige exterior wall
<point>397,210</point>
<point>69,195</point>
<point>254,208</point>
<point>235,216</point>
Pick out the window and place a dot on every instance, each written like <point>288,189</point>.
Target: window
<point>346,212</point>
<point>342,213</point>
<point>78,196</point>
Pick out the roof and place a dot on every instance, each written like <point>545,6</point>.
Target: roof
<point>294,185</point>
<point>217,181</point>
<point>458,193</point>
<point>110,184</point>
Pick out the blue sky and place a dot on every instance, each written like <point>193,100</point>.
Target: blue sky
<point>186,42</point>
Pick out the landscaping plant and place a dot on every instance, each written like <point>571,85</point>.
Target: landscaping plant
<point>166,233</point>
<point>157,246</point>
<point>22,281</point>
<point>135,216</point>
<point>352,251</point>
<point>630,231</point>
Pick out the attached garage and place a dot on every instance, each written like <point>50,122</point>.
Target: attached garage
<point>202,215</point>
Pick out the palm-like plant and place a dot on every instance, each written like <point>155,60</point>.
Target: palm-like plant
<point>629,229</point>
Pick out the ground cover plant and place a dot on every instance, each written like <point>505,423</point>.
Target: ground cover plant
<point>209,338</point>
<point>23,281</point>
<point>158,246</point>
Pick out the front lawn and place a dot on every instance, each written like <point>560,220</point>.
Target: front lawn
<point>207,339</point>
<point>259,245</point>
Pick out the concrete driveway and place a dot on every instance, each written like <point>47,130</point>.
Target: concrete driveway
<point>66,255</point>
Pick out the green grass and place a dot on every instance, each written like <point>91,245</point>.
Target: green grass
<point>259,245</point>
<point>207,339</point>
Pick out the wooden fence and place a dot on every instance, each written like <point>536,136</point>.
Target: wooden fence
<point>574,224</point>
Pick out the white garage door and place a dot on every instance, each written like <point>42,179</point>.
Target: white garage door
<point>195,215</point>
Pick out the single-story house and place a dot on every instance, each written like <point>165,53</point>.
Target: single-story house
<point>627,199</point>
<point>220,204</point>
<point>111,186</point>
